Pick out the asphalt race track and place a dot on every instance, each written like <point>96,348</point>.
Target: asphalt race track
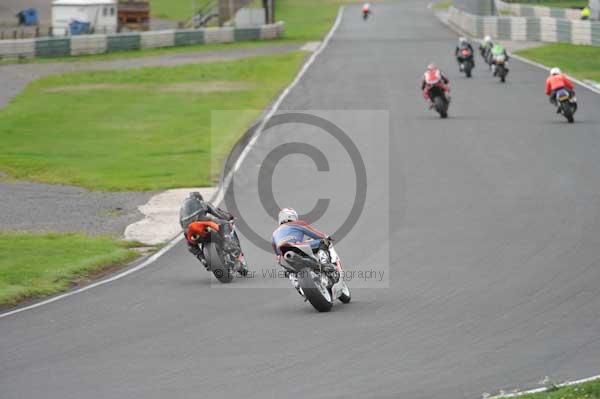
<point>491,270</point>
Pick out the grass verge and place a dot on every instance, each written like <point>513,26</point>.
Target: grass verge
<point>582,62</point>
<point>442,5</point>
<point>34,265</point>
<point>308,20</point>
<point>178,10</point>
<point>145,129</point>
<point>304,19</point>
<point>587,390</point>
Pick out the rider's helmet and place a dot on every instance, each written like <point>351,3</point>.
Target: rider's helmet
<point>287,215</point>
<point>462,40</point>
<point>196,195</point>
<point>432,67</point>
<point>555,71</point>
<point>190,209</point>
<point>487,39</point>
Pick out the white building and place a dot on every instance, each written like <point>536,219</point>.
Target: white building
<point>101,14</point>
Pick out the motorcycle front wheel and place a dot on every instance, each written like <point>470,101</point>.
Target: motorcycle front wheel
<point>440,107</point>
<point>315,290</point>
<point>468,68</point>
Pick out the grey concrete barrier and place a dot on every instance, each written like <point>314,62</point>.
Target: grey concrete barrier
<point>219,35</point>
<point>24,48</point>
<point>99,44</point>
<point>88,44</point>
<point>526,10</point>
<point>156,39</point>
<point>545,29</point>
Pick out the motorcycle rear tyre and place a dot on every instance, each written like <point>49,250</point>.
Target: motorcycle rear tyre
<point>312,292</point>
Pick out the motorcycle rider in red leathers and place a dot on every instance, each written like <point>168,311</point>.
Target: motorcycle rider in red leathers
<point>434,77</point>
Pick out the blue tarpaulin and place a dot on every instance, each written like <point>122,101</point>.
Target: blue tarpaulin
<point>28,17</point>
<point>79,27</point>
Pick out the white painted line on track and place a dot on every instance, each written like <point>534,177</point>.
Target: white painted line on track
<point>222,189</point>
<point>142,265</point>
<point>544,389</point>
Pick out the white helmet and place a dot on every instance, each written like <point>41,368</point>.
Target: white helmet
<point>555,71</point>
<point>462,40</point>
<point>287,215</point>
<point>487,39</point>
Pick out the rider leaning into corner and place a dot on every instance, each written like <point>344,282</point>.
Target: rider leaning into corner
<point>195,209</point>
<point>557,81</point>
<point>292,230</point>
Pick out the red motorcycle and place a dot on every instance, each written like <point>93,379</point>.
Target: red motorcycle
<point>435,92</point>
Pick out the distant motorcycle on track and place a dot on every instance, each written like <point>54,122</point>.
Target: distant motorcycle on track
<point>467,63</point>
<point>366,11</point>
<point>499,67</point>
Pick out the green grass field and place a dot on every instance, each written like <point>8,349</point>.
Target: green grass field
<point>145,129</point>
<point>179,10</point>
<point>442,5</point>
<point>582,62</point>
<point>304,19</point>
<point>35,265</point>
<point>308,19</point>
<point>588,390</point>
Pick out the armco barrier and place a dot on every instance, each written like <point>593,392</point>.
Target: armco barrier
<point>545,29</point>
<point>99,44</point>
